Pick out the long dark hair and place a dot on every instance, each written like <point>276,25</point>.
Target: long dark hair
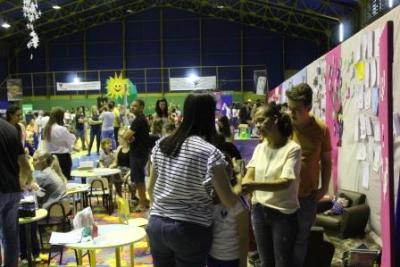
<point>198,119</point>
<point>284,124</point>
<point>225,129</point>
<point>56,116</point>
<point>162,113</point>
<point>11,111</point>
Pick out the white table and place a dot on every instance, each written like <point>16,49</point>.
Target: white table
<point>95,172</point>
<point>74,189</point>
<point>40,214</point>
<point>110,236</point>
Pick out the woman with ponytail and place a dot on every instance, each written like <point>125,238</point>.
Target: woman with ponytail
<point>59,140</point>
<point>273,176</point>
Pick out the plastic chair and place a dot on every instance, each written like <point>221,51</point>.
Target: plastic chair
<point>99,187</point>
<point>57,217</point>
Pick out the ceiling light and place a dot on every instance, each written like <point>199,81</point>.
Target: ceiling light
<point>220,6</point>
<point>390,3</point>
<point>341,32</point>
<point>129,11</point>
<point>56,7</point>
<point>5,25</point>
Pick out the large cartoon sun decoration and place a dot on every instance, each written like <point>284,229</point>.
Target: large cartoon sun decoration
<point>116,86</point>
<point>31,13</point>
<point>122,90</point>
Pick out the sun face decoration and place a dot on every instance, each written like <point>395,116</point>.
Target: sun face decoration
<point>116,86</point>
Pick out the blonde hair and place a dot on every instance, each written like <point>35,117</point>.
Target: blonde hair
<point>52,162</point>
<point>104,142</point>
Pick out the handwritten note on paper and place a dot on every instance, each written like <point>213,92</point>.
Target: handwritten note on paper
<point>361,151</point>
<point>373,73</point>
<point>364,46</point>
<point>377,131</point>
<point>365,174</point>
<point>367,74</point>
<point>370,149</point>
<point>357,53</point>
<point>363,130</point>
<point>396,124</point>
<point>360,69</point>
<point>360,97</point>
<point>371,44</point>
<point>377,158</point>
<point>368,126</point>
<point>356,129</point>
<point>367,99</point>
<point>375,100</point>
<point>377,36</point>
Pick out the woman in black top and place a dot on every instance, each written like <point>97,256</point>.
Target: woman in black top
<point>122,162</point>
<point>95,129</point>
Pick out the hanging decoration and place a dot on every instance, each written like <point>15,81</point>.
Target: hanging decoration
<point>121,89</point>
<point>31,13</point>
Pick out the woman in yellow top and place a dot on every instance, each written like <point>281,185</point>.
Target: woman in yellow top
<point>273,178</point>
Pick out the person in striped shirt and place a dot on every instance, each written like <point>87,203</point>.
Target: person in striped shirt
<point>186,168</point>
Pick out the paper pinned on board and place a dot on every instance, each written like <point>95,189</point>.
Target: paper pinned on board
<point>370,149</point>
<point>373,73</point>
<point>364,46</point>
<point>357,53</point>
<point>368,126</point>
<point>377,158</point>
<point>396,124</point>
<point>365,174</point>
<point>361,151</point>
<point>356,129</point>
<point>377,37</point>
<point>377,131</point>
<point>360,70</point>
<point>367,75</point>
<point>363,130</point>
<point>371,44</point>
<point>375,100</point>
<point>367,99</point>
<point>360,97</point>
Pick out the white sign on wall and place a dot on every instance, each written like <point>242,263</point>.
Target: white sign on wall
<point>193,83</point>
<point>79,86</point>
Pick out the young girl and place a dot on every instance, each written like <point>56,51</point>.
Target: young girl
<point>230,239</point>
<point>107,156</point>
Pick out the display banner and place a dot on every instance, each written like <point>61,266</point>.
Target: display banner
<point>79,86</point>
<point>260,81</point>
<point>193,83</point>
<point>14,89</point>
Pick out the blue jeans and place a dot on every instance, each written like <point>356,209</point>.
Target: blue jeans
<point>34,240</point>
<point>94,132</point>
<point>275,234</point>
<point>9,221</point>
<point>306,217</point>
<point>177,243</point>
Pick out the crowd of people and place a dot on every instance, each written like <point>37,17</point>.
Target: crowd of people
<point>200,203</point>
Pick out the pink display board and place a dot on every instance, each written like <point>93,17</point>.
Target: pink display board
<point>385,119</point>
<point>333,105</point>
<point>275,94</point>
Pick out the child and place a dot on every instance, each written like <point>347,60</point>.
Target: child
<point>106,155</point>
<point>229,247</point>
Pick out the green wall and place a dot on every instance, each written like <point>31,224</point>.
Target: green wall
<point>73,101</point>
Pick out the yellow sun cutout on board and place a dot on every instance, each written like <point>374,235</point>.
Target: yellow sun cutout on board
<point>116,86</point>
